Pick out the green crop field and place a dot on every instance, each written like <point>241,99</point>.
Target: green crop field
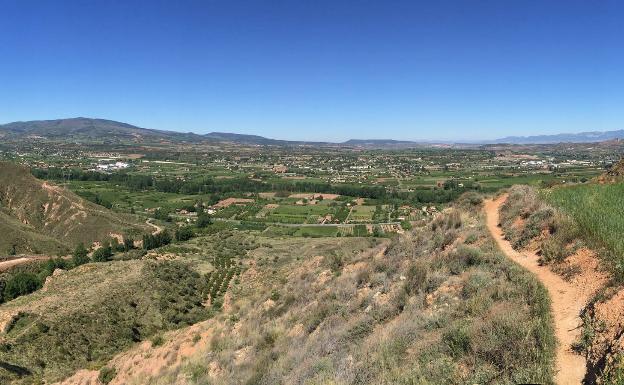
<point>362,213</point>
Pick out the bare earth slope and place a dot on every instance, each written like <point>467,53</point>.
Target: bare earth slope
<point>56,213</point>
<point>568,299</point>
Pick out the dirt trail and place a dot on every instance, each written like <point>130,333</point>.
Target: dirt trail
<point>157,229</point>
<point>6,265</point>
<point>567,300</point>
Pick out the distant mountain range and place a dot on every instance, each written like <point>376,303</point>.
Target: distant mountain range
<point>581,137</point>
<point>86,129</point>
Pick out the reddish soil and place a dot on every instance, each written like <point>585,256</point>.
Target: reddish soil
<point>568,298</point>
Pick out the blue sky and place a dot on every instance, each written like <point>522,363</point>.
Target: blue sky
<point>319,70</point>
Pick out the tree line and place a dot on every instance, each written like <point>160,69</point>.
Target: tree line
<point>209,185</point>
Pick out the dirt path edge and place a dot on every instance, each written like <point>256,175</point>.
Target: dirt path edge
<point>567,300</point>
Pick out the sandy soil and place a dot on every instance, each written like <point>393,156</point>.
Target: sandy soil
<point>568,298</point>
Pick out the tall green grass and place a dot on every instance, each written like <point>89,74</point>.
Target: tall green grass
<point>599,212</point>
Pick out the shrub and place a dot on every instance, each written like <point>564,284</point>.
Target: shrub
<point>107,374</point>
<point>448,221</point>
<point>20,284</point>
<point>150,241</point>
<point>115,245</point>
<point>103,254</point>
<point>203,220</point>
<point>80,256</point>
<point>470,200</point>
<point>538,221</point>
<point>157,340</point>
<point>336,263</point>
<point>441,240</point>
<point>457,339</point>
<point>416,278</point>
<point>471,238</point>
<point>184,234</point>
<point>128,243</point>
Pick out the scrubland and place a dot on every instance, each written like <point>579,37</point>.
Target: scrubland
<point>438,305</point>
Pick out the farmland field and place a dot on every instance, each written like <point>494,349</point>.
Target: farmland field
<point>361,213</point>
<point>317,231</point>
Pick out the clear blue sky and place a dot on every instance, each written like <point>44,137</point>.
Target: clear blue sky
<point>321,69</point>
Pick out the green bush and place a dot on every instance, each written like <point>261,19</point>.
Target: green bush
<point>457,339</point>
<point>20,284</point>
<point>103,254</point>
<point>80,256</point>
<point>184,233</point>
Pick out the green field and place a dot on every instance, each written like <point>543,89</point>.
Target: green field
<point>317,231</point>
<point>362,214</point>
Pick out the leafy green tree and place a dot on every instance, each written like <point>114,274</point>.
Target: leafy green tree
<point>162,214</point>
<point>163,238</point>
<point>20,284</point>
<point>128,243</point>
<point>184,234</point>
<point>203,220</point>
<point>157,240</point>
<point>80,256</point>
<point>103,254</point>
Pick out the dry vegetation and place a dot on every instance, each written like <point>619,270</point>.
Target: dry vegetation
<point>438,305</point>
<point>84,316</point>
<point>560,230</point>
<point>526,218</point>
<point>58,217</point>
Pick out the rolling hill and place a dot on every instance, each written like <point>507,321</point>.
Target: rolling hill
<point>88,129</point>
<point>39,217</point>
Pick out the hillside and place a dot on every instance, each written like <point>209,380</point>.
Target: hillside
<point>84,316</point>
<point>41,216</point>
<point>613,174</point>
<point>88,129</point>
<point>20,238</point>
<point>438,305</point>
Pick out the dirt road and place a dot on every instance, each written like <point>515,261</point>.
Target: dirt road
<point>6,265</point>
<point>567,300</point>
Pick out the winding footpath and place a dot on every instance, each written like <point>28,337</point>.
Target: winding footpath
<point>567,300</point>
<point>157,229</point>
